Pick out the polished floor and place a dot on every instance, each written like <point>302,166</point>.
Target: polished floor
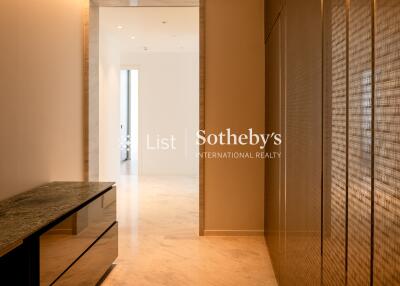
<point>159,242</point>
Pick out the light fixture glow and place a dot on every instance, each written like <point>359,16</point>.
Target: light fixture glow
<point>119,27</point>
<point>133,37</point>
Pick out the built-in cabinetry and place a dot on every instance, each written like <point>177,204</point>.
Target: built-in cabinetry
<point>73,240</point>
<point>293,108</point>
<point>361,241</point>
<point>332,203</point>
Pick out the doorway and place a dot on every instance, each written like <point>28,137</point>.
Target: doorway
<point>129,121</point>
<point>91,68</point>
<point>148,99</point>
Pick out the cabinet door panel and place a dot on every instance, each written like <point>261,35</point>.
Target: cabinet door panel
<point>273,167</point>
<point>359,165</point>
<point>64,243</point>
<point>335,146</point>
<point>387,148</point>
<point>90,268</point>
<point>302,263</point>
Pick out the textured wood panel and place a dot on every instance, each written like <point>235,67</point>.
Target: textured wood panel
<point>386,268</point>
<point>302,257</point>
<point>335,143</point>
<point>294,108</point>
<point>274,192</point>
<point>359,149</point>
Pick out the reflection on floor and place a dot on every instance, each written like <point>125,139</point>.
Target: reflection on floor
<point>159,242</point>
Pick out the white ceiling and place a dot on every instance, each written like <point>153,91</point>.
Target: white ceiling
<point>179,33</point>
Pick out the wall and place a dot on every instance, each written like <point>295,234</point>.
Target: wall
<point>41,99</point>
<point>234,98</point>
<point>168,105</point>
<point>109,104</point>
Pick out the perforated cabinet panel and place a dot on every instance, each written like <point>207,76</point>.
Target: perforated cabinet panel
<point>356,79</point>
<point>274,186</point>
<point>335,143</point>
<point>302,244</point>
<point>359,168</point>
<point>387,144</point>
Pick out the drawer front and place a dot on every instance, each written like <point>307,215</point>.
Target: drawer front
<point>88,270</point>
<point>64,243</point>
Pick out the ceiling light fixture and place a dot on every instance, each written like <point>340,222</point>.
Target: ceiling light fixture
<point>119,27</point>
<point>133,37</point>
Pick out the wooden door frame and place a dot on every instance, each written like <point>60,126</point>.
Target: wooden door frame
<point>91,83</point>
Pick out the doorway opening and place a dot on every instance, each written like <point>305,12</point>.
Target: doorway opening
<point>161,106</point>
<point>149,114</point>
<point>101,164</point>
<point>129,121</point>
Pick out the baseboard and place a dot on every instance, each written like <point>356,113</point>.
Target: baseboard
<point>233,232</point>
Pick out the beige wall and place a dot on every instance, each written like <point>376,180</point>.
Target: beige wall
<point>41,102</point>
<point>234,189</point>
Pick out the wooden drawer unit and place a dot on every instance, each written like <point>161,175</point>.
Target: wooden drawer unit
<point>90,268</point>
<point>63,244</point>
<point>60,233</point>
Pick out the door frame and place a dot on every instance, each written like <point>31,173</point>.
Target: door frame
<point>91,83</point>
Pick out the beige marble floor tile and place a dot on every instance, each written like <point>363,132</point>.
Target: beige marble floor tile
<point>159,243</point>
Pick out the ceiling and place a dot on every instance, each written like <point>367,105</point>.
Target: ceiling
<point>153,29</point>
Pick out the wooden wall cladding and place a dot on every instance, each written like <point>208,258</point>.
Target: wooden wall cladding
<point>350,179</point>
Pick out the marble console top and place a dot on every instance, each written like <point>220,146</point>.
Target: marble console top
<point>24,214</point>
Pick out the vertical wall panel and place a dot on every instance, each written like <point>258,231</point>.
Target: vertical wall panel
<point>302,260</point>
<point>293,184</point>
<point>335,91</point>
<point>359,168</point>
<point>387,144</point>
<point>361,143</point>
<point>273,183</point>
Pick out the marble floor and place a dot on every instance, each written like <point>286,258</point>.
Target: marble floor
<point>159,243</point>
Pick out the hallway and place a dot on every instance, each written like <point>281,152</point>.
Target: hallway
<point>159,242</point>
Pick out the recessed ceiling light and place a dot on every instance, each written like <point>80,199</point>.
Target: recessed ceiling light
<point>133,37</point>
<point>119,27</point>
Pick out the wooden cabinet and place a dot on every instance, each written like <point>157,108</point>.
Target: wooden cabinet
<point>63,233</point>
<point>62,245</point>
<point>294,109</point>
<point>94,263</point>
<point>332,203</point>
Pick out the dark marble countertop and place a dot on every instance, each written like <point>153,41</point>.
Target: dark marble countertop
<point>26,213</point>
